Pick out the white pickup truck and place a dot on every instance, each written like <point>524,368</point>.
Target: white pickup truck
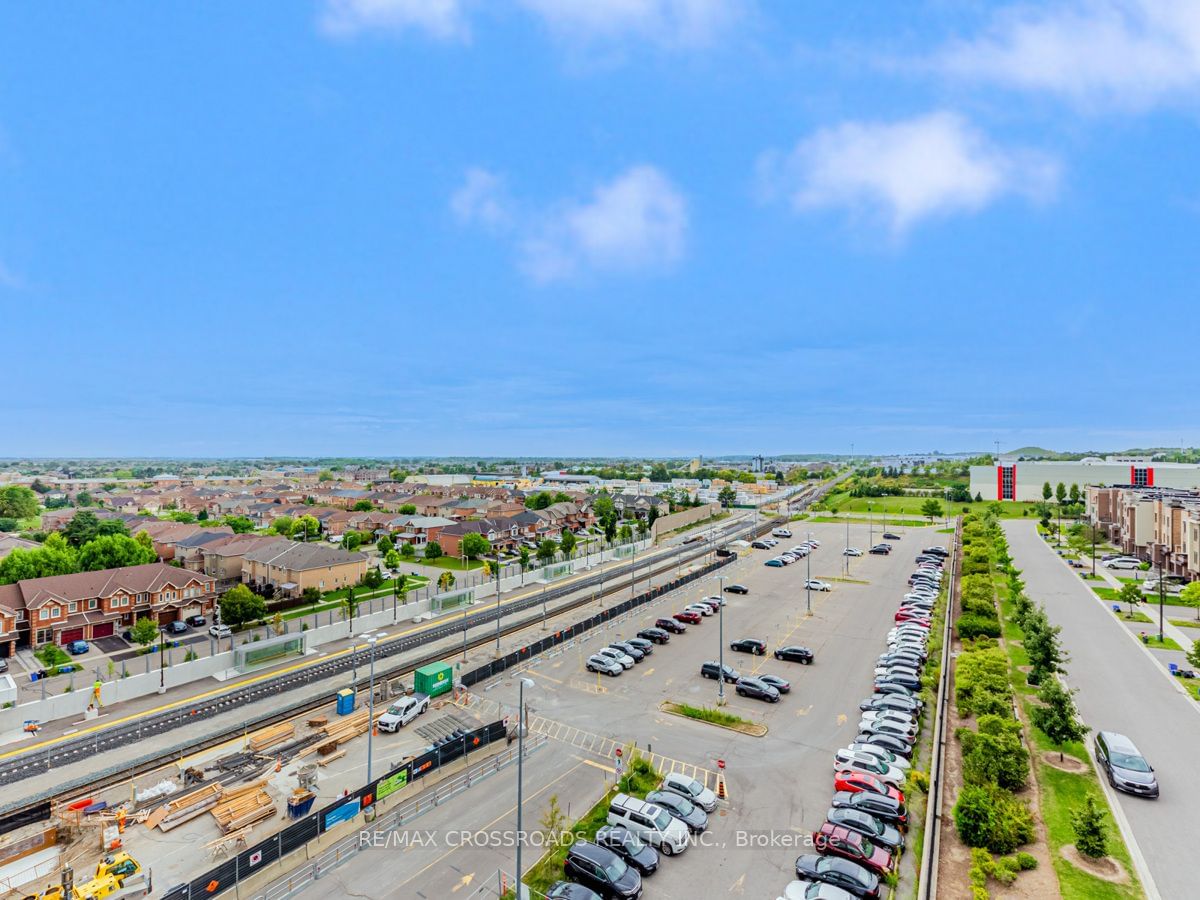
<point>403,711</point>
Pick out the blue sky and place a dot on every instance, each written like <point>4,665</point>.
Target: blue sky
<point>570,227</point>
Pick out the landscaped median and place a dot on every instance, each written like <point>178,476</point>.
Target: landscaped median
<point>718,717</point>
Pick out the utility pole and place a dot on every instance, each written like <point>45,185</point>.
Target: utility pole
<point>808,576</point>
<point>721,644</point>
<point>1162,571</point>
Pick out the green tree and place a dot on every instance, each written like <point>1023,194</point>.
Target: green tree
<point>202,516</point>
<point>433,550</point>
<point>610,528</point>
<point>363,506</point>
<point>1046,656</point>
<point>408,509</point>
<point>182,516</point>
<point>85,527</point>
<point>1193,655</point>
<point>407,551</point>
<point>446,580</point>
<point>540,500</point>
<point>1060,493</point>
<point>240,605</point>
<point>391,559</point>
<point>546,550</point>
<point>523,557</point>
<point>8,524</point>
<point>995,753</point>
<point>727,496</point>
<point>475,545</point>
<point>659,473</point>
<point>307,527</point>
<point>384,545</point>
<point>602,505</point>
<point>239,524</point>
<point>311,595</point>
<point>568,542</point>
<point>1130,593</point>
<point>144,631</point>
<point>1057,717</point>
<point>931,509</point>
<point>325,475</point>
<point>643,527</point>
<point>18,502</point>
<point>1190,595</point>
<point>652,515</point>
<point>284,525</point>
<point>351,541</point>
<point>113,551</point>
<point>143,538</point>
<point>1074,493</point>
<point>1047,492</point>
<point>350,606</point>
<point>1091,829</point>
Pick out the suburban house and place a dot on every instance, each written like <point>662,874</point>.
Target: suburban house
<point>223,558</point>
<point>638,506</point>
<point>290,567</point>
<point>8,631</point>
<point>90,605</point>
<point>10,542</point>
<point>504,534</point>
<point>420,530</point>
<point>166,536</point>
<point>564,515</point>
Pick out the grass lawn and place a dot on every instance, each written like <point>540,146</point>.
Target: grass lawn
<point>912,505</point>
<point>333,600</point>
<point>1136,617</point>
<point>451,562</point>
<point>1185,623</point>
<point>1153,642</point>
<point>1105,593</point>
<point>879,523</point>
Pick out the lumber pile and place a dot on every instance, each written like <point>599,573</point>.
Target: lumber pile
<point>243,806</point>
<point>346,728</point>
<point>269,737</point>
<point>187,807</point>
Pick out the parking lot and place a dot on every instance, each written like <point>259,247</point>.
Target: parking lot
<point>779,784</point>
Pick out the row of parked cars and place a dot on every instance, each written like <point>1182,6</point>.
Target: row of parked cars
<point>637,833</point>
<point>758,687</point>
<point>862,837</point>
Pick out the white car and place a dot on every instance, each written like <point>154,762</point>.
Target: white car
<point>720,601</point>
<point>816,584</point>
<point>788,558</point>
<point>686,786</point>
<point>618,656</point>
<point>1124,562</point>
<point>781,532</point>
<point>703,608</point>
<point>886,756</point>
<point>402,712</point>
<point>851,551</point>
<point>605,665</point>
<point>850,761</point>
<point>889,715</point>
<point>220,631</point>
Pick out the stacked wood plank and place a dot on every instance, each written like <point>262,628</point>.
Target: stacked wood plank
<point>269,737</point>
<point>338,732</point>
<point>187,807</point>
<point>242,807</point>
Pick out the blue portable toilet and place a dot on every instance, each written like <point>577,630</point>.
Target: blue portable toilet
<point>345,702</point>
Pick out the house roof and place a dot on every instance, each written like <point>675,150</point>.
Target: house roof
<point>34,592</point>
<point>296,556</point>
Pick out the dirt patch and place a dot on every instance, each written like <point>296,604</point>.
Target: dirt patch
<point>1066,764</point>
<point>1105,868</point>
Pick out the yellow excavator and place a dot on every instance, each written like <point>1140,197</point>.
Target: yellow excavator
<point>117,875</point>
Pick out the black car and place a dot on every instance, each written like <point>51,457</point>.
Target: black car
<point>881,833</point>
<point>177,627</point>
<point>839,872</point>
<point>780,684</point>
<point>891,701</point>
<point>891,742</point>
<point>602,870</point>
<point>711,669</point>
<point>567,890</point>
<point>880,550</point>
<point>904,681</point>
<point>890,536</point>
<point>670,625</point>
<point>654,635</point>
<point>749,645</point>
<point>629,650</point>
<point>795,654</point>
<point>623,842</point>
<point>757,689</point>
<point>638,643</point>
<point>680,808</point>
<point>937,551</point>
<point>881,806</point>
<point>759,545</point>
<point>737,589</point>
<point>197,621</point>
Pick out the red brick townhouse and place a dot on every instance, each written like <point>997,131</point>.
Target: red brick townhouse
<point>88,605</point>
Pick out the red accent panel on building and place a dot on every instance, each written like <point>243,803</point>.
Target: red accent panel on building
<point>1150,478</point>
<point>999,482</point>
<point>1133,474</point>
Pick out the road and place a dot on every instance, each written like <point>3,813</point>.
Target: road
<point>1121,688</point>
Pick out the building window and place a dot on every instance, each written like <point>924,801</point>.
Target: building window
<point>92,603</point>
<point>44,636</point>
<point>143,598</point>
<point>1008,477</point>
<point>1141,477</point>
<point>44,614</point>
<point>73,607</point>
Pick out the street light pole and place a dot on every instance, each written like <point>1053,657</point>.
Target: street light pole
<point>1161,574</point>
<point>808,576</point>
<point>721,644</point>
<point>524,682</point>
<point>372,640</point>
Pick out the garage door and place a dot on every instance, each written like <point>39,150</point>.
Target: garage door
<point>70,634</point>
<point>104,629</point>
<point>167,616</point>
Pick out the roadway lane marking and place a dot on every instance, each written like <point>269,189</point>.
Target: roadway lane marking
<point>649,671</point>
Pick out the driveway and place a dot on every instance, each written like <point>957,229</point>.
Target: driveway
<point>1122,688</point>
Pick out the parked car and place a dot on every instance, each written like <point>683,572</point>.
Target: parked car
<point>711,669</point>
<point>220,631</point>
<point>177,627</point>
<point>794,653</point>
<point>749,645</point>
<point>702,608</point>
<point>1123,763</point>
<point>681,808</point>
<point>892,759</point>
<point>816,584</point>
<point>605,665</point>
<point>853,761</point>
<point>78,648</point>
<point>780,684</point>
<point>690,616</point>
<point>880,832</point>
<point>569,890</point>
<point>671,625</point>
<point>628,649</point>
<point>602,870</point>
<point>756,689</point>
<point>642,644</point>
<point>775,563</point>
<point>888,809</point>
<point>760,545</point>
<point>781,532</point>
<point>737,589</point>
<point>880,550</point>
<point>689,787</point>
<point>852,551</point>
<point>897,745</point>
<point>1124,562</point>
<point>839,872</point>
<point>627,845</point>
<point>619,656</point>
<point>197,621</point>
<point>858,782</point>
<point>655,635</point>
<point>651,823</point>
<point>890,536</point>
<point>403,711</point>
<point>837,840</point>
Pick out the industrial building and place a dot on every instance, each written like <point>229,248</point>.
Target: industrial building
<point>1015,479</point>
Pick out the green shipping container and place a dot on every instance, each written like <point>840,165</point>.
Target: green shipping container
<point>433,679</point>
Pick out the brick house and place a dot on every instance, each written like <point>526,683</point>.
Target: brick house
<point>90,605</point>
<point>8,631</point>
<point>290,567</point>
<point>504,534</point>
<point>223,558</point>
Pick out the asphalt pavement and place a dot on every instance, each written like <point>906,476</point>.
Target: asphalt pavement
<point>1122,688</point>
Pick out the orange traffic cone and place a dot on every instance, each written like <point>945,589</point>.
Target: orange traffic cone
<point>721,786</point>
<point>278,763</point>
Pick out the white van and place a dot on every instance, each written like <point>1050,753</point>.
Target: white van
<point>651,823</point>
<point>781,532</point>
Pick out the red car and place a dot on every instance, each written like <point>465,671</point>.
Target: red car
<point>908,615</point>
<point>857,782</point>
<point>692,618</point>
<point>837,840</point>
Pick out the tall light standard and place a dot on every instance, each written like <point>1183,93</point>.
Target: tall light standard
<point>847,553</point>
<point>808,576</point>
<point>522,684</point>
<point>870,527</point>
<point>721,644</point>
<point>371,641</point>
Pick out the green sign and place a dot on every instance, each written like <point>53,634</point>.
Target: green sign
<point>391,784</point>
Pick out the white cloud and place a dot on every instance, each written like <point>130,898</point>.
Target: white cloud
<point>441,19</point>
<point>481,200</point>
<point>635,222</point>
<point>1096,53</point>
<point>670,23</point>
<point>905,171</point>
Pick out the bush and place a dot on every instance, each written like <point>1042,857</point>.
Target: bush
<point>990,817</point>
<point>918,781</point>
<point>1026,861</point>
<point>981,684</point>
<point>1005,870</point>
<point>995,753</point>
<point>1091,831</point>
<point>972,626</point>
